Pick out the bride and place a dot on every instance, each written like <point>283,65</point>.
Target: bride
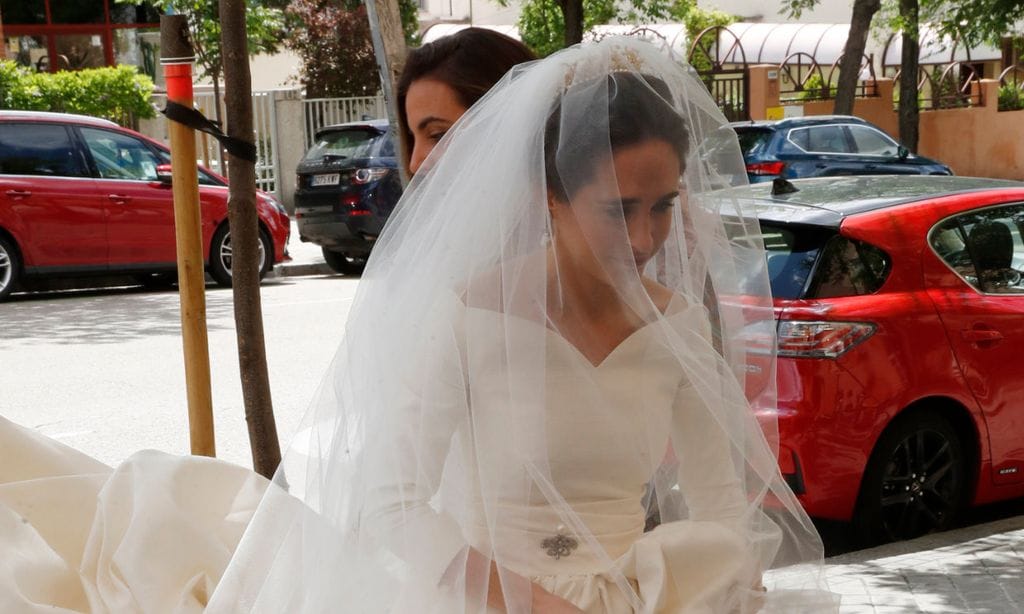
<point>528,367</point>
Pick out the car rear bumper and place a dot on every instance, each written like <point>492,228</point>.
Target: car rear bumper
<point>332,233</point>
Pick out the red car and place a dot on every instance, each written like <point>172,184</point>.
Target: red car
<point>83,196</point>
<point>899,303</point>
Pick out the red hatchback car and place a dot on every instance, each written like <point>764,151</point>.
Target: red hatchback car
<point>899,303</point>
<point>82,196</point>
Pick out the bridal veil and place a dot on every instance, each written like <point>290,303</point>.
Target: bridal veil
<point>470,430</point>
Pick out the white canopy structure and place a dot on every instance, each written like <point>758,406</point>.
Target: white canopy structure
<point>936,49</point>
<point>673,34</point>
<point>772,43</point>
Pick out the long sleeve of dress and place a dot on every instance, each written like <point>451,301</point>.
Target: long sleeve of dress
<point>708,477</point>
<point>411,443</point>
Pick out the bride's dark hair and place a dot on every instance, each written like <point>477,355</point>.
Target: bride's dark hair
<point>639,109</point>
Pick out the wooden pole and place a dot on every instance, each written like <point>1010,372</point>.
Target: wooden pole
<point>176,56</point>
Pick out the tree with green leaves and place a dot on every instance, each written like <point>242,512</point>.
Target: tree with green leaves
<point>549,25</point>
<point>979,21</point>
<point>264,28</point>
<point>853,51</point>
<point>333,39</point>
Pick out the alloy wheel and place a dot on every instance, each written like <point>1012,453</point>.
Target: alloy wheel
<point>922,483</point>
<point>225,254</point>
<point>6,268</point>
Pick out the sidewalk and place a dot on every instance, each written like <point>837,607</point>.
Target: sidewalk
<point>974,569</point>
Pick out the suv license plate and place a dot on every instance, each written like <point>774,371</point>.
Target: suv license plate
<point>331,179</point>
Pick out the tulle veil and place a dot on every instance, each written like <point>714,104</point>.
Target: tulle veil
<point>470,430</point>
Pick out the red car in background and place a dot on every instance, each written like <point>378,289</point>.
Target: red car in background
<point>899,304</point>
<point>82,196</point>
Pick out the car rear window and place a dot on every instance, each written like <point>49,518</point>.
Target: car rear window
<point>344,143</point>
<point>849,268</point>
<point>753,141</point>
<point>840,266</point>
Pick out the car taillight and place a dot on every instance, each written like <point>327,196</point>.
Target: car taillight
<point>354,204</point>
<point>366,175</point>
<point>813,339</point>
<point>766,168</point>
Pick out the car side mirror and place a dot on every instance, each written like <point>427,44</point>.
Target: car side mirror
<point>902,153</point>
<point>163,173</point>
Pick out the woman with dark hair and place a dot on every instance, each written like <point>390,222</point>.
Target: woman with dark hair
<point>444,78</point>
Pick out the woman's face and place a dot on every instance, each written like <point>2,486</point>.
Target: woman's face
<point>632,193</point>
<point>431,107</point>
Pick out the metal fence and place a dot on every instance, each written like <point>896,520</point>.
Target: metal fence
<point>320,112</point>
<point>264,119</point>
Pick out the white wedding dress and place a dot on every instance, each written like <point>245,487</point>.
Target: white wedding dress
<point>691,565</point>
<point>152,536</point>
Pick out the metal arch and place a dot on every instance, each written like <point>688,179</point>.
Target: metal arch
<point>813,67</point>
<point>921,73</point>
<point>716,61</point>
<point>817,45</point>
<point>866,61</point>
<point>764,41</point>
<point>972,76</point>
<point>789,47</point>
<point>1017,70</point>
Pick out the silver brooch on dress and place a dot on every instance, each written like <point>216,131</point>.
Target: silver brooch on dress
<point>560,545</point>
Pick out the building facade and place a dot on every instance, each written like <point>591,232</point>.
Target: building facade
<point>52,35</point>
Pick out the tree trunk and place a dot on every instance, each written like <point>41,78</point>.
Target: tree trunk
<point>909,111</point>
<point>849,67</point>
<point>572,14</point>
<point>252,355</point>
<point>389,46</point>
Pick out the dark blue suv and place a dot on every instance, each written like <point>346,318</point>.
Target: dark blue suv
<point>824,146</point>
<point>347,185</point>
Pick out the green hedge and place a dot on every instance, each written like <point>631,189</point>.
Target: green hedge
<point>1011,98</point>
<point>117,93</point>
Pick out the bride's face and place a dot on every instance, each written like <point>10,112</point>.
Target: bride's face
<point>622,217</point>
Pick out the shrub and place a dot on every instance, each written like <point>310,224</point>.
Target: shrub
<point>814,89</point>
<point>116,93</point>
<point>1011,98</point>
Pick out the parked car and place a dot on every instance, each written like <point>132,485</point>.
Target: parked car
<point>825,146</point>
<point>82,196</point>
<point>899,304</point>
<point>348,183</point>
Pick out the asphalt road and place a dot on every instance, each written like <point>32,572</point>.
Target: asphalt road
<point>102,370</point>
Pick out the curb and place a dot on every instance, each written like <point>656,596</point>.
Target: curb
<point>302,269</point>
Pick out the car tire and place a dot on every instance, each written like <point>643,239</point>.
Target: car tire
<point>220,255</point>
<point>915,482</point>
<point>344,264</point>
<point>10,267</point>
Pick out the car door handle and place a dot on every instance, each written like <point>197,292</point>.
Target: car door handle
<point>18,193</point>
<point>119,198</point>
<point>981,335</point>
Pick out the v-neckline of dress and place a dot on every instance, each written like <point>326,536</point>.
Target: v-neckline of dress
<point>668,313</point>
